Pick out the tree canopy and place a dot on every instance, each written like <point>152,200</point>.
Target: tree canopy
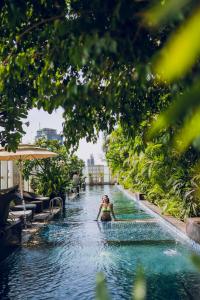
<point>95,59</point>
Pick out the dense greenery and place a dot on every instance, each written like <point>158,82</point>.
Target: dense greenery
<point>107,63</point>
<point>92,58</point>
<point>52,176</point>
<point>168,179</point>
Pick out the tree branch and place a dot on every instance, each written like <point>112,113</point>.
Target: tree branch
<point>40,23</point>
<point>44,21</point>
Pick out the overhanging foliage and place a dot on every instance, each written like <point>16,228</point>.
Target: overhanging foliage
<point>90,58</point>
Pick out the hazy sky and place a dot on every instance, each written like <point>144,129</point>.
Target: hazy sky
<point>40,119</point>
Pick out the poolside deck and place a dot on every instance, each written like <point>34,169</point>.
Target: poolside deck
<point>34,224</point>
<point>39,220</point>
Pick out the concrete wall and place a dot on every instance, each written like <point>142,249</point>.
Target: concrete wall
<point>4,175</point>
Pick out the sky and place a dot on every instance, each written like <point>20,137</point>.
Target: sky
<point>40,119</point>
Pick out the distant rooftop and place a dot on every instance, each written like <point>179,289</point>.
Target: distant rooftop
<point>49,134</point>
<point>47,130</point>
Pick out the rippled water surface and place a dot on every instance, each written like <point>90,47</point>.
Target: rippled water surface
<point>62,260</point>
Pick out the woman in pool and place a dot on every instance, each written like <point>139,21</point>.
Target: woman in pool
<point>106,208</point>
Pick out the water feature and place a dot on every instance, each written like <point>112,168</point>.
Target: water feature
<point>62,260</point>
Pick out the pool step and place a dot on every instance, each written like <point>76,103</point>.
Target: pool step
<point>138,242</point>
<point>142,221</point>
<point>138,220</point>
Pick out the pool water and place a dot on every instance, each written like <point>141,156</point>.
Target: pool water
<point>61,261</point>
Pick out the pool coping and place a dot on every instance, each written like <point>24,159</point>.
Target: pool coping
<point>176,226</point>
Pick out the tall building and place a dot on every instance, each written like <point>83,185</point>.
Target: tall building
<point>97,174</point>
<point>90,161</point>
<point>49,134</point>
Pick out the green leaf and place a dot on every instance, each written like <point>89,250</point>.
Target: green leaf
<point>189,132</point>
<point>181,51</point>
<point>101,288</point>
<point>177,110</point>
<point>162,11</point>
<point>139,289</point>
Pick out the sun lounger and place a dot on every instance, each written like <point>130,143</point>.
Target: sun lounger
<point>38,204</point>
<point>30,206</point>
<point>20,214</point>
<point>30,197</point>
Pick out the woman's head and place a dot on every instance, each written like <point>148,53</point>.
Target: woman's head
<point>105,199</point>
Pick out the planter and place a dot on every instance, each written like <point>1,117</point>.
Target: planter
<point>193,229</point>
<point>139,196</point>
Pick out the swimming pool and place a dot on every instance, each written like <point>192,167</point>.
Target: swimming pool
<point>62,260</point>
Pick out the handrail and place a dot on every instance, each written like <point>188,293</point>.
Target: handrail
<point>54,202</point>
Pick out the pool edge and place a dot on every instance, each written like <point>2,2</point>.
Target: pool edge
<point>195,246</point>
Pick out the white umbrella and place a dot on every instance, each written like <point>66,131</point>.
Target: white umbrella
<point>25,152</point>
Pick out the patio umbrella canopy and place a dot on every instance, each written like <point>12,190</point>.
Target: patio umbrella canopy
<point>25,152</point>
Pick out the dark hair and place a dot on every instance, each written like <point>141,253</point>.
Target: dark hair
<point>107,198</point>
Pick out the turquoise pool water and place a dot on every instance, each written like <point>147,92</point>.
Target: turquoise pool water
<point>62,260</point>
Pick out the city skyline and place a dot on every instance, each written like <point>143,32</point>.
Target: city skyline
<point>39,119</point>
